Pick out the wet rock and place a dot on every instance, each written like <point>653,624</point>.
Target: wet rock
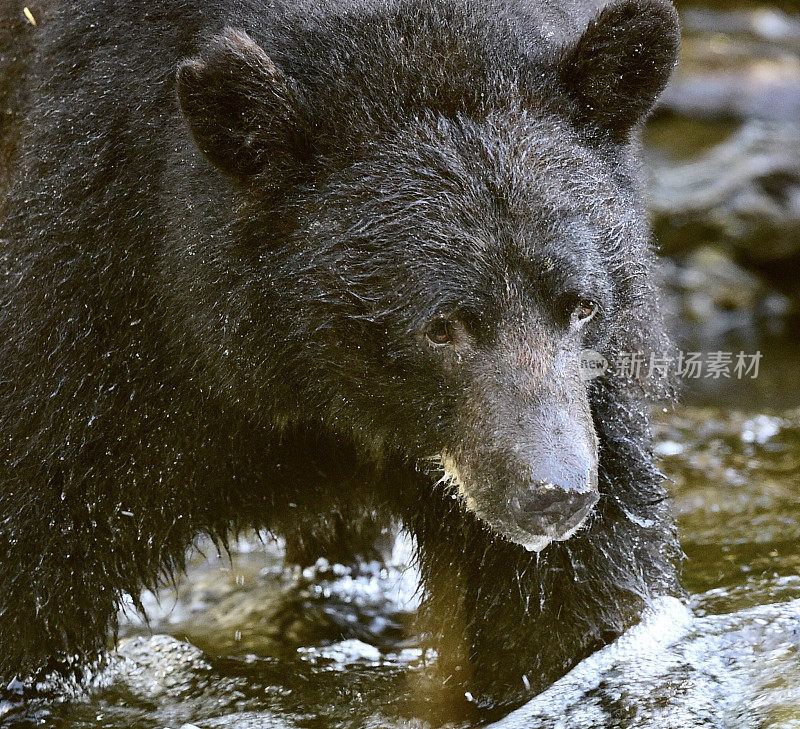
<point>740,64</point>
<point>714,281</point>
<point>744,192</point>
<point>769,24</point>
<point>162,655</point>
<point>707,290</point>
<point>743,195</point>
<point>766,90</point>
<point>243,720</point>
<point>737,87</point>
<point>674,671</point>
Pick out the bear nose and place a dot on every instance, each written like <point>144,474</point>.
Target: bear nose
<point>550,510</point>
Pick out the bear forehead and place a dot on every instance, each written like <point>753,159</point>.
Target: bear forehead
<point>484,194</point>
<point>447,56</point>
<point>461,204</point>
<point>517,160</point>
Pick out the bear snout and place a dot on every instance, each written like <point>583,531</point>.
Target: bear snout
<point>549,512</point>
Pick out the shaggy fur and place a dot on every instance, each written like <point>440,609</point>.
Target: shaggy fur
<point>17,43</point>
<point>213,305</point>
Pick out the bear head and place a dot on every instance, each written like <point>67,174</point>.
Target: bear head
<point>459,219</point>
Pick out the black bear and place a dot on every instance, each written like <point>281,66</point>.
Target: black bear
<point>319,266</point>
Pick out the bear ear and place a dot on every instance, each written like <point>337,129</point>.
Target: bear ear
<point>244,113</point>
<point>621,63</point>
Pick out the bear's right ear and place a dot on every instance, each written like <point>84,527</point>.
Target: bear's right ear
<point>621,63</point>
<point>244,113</point>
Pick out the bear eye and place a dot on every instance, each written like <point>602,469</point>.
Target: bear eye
<point>583,312</point>
<point>439,332</point>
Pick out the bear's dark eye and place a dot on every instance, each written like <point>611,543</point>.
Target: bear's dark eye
<point>578,311</point>
<point>584,311</point>
<point>439,332</point>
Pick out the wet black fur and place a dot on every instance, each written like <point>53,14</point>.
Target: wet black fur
<point>189,351</point>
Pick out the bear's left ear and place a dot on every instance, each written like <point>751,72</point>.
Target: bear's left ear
<point>621,63</point>
<point>244,113</point>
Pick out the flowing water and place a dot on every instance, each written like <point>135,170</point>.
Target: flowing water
<point>246,643</point>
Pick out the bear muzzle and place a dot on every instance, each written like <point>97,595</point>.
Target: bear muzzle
<point>535,515</point>
<point>534,483</point>
<point>548,512</point>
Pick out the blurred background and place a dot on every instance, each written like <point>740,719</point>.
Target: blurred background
<point>723,152</point>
